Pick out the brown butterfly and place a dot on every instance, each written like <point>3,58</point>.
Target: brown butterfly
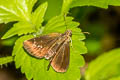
<point>54,47</point>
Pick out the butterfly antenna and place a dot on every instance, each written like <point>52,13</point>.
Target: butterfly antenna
<point>65,20</point>
<point>86,32</point>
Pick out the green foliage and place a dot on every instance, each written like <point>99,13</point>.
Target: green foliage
<point>17,10</point>
<point>26,60</point>
<point>38,14</point>
<point>29,21</point>
<point>6,60</point>
<point>56,7</point>
<point>32,66</point>
<point>24,27</point>
<point>19,28</point>
<point>104,67</point>
<point>97,3</point>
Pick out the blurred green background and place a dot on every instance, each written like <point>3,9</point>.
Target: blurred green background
<point>102,24</point>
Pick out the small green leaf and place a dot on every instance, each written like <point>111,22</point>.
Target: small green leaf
<point>19,29</point>
<point>6,60</point>
<point>105,66</point>
<point>38,14</point>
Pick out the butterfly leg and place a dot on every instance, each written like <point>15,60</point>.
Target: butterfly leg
<point>49,64</point>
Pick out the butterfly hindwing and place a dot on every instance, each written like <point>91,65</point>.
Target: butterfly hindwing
<point>60,61</point>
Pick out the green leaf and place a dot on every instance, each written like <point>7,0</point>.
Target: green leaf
<point>32,66</point>
<point>67,4</point>
<point>28,64</point>
<point>17,10</point>
<point>105,66</point>
<point>6,60</point>
<point>25,27</point>
<point>38,14</point>
<point>97,3</point>
<point>57,7</point>
<point>19,28</point>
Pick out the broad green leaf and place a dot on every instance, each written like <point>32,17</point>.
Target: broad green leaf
<point>38,14</point>
<point>105,66</point>
<point>37,68</point>
<point>67,4</point>
<point>97,3</point>
<point>5,60</point>
<point>19,29</point>
<point>17,10</point>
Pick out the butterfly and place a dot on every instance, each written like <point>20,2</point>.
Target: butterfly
<point>54,47</point>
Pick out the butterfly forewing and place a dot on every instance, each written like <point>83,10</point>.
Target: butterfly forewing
<point>39,46</point>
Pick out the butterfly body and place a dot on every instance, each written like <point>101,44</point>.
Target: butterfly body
<point>54,47</point>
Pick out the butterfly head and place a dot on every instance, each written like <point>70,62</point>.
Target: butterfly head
<point>69,33</point>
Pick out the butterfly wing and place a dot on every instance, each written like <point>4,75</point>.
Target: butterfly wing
<point>60,61</point>
<point>39,46</point>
